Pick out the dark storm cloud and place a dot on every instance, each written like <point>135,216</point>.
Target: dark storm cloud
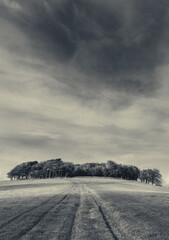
<point>118,44</point>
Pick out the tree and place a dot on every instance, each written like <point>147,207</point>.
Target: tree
<point>144,176</point>
<point>152,176</point>
<point>112,168</point>
<point>57,168</point>
<point>155,177</point>
<point>21,171</point>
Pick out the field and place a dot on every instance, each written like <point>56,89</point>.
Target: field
<point>83,208</point>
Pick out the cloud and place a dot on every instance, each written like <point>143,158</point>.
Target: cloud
<point>13,5</point>
<point>85,81</point>
<point>115,45</point>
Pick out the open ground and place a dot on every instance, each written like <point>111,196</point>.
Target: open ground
<point>83,208</point>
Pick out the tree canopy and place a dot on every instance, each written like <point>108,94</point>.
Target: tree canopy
<point>57,168</point>
<point>151,176</point>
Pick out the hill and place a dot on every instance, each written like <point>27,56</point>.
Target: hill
<point>83,208</point>
<point>57,168</point>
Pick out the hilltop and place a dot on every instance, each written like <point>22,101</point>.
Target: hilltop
<point>57,168</point>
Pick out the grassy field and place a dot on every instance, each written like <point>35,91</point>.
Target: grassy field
<point>83,208</point>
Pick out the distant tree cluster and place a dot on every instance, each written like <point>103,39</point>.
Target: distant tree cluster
<point>151,176</point>
<point>57,168</point>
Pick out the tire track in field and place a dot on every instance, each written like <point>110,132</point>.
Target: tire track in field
<point>89,221</point>
<point>69,236</point>
<point>76,218</point>
<point>30,210</point>
<point>59,221</point>
<point>24,231</point>
<point>102,214</point>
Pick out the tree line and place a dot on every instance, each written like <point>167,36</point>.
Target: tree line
<point>57,168</point>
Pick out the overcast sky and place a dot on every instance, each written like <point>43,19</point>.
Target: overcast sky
<point>87,81</point>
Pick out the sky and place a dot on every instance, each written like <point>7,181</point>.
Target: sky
<point>87,81</point>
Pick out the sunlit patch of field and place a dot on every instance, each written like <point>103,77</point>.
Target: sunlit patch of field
<point>112,184</point>
<point>83,208</point>
<point>26,188</point>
